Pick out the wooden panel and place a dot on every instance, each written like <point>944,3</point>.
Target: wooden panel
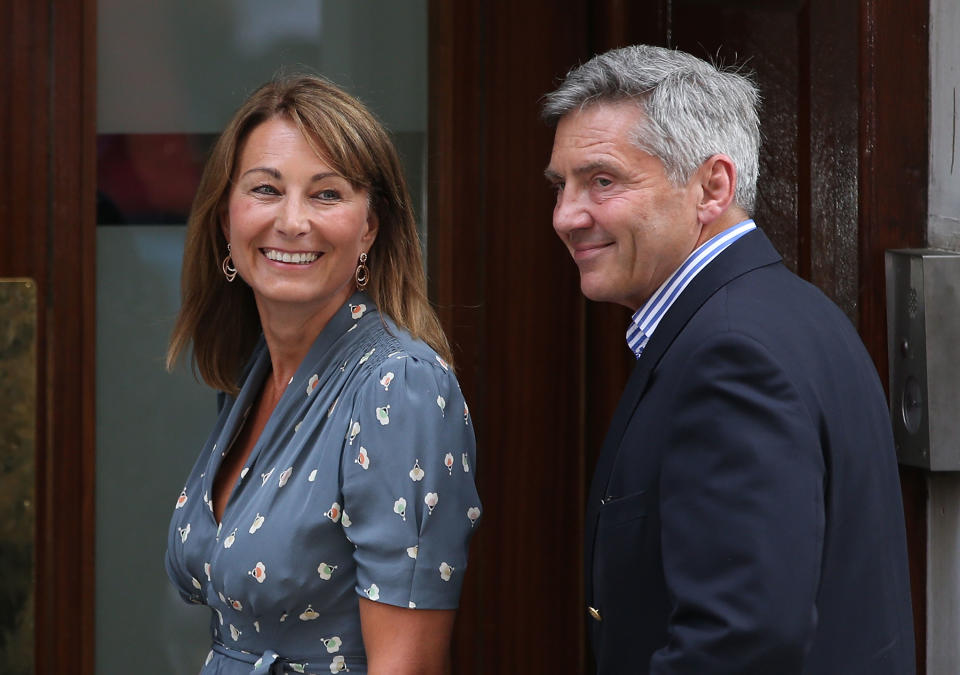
<point>47,164</point>
<point>509,297</point>
<point>23,124</point>
<point>619,23</point>
<point>893,150</point>
<point>72,347</point>
<point>455,263</point>
<point>828,145</point>
<point>23,235</point>
<point>762,38</point>
<point>894,93</point>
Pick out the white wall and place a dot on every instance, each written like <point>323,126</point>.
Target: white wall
<point>944,196</point>
<point>943,231</point>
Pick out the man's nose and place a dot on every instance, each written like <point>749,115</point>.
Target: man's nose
<point>570,213</point>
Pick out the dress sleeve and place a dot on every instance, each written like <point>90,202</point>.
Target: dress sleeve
<point>410,503</point>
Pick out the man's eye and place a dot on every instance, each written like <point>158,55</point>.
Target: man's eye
<point>604,182</point>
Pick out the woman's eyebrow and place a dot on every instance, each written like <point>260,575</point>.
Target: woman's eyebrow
<point>274,173</point>
<point>263,169</point>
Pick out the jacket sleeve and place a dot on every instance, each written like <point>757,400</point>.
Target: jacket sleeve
<point>742,515</point>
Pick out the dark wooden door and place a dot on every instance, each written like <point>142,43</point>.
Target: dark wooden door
<point>843,177</point>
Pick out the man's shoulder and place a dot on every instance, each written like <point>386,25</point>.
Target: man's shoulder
<point>775,291</point>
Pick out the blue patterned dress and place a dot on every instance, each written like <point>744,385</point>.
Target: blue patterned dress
<point>361,484</point>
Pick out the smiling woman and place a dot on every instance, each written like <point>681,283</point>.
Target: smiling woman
<point>339,385</point>
<point>296,228</point>
<point>352,145</point>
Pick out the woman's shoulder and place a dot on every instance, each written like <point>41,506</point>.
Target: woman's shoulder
<point>391,344</point>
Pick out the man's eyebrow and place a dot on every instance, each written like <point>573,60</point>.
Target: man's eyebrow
<point>584,169</point>
<point>552,175</point>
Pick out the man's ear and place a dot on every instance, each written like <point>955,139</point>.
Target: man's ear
<point>718,183</point>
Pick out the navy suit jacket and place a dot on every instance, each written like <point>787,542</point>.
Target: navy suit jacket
<point>745,514</point>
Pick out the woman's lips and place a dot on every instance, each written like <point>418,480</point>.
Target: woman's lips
<point>291,257</point>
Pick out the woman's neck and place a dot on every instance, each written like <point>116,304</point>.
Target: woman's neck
<point>289,336</point>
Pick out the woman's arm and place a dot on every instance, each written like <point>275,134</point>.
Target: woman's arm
<point>402,641</point>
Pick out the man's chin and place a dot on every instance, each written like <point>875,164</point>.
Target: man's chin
<point>595,292</point>
<point>598,293</point>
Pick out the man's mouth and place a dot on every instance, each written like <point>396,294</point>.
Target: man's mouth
<point>586,250</point>
<point>296,258</point>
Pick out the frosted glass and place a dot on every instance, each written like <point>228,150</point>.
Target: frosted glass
<point>183,66</point>
<point>150,427</point>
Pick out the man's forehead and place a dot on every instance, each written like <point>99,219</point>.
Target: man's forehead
<point>611,123</point>
<point>601,136</point>
<point>623,113</point>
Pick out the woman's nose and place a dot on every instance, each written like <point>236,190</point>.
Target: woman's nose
<point>294,219</point>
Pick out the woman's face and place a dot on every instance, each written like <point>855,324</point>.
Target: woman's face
<point>296,228</point>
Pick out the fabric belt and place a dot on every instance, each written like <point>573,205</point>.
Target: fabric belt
<point>269,663</point>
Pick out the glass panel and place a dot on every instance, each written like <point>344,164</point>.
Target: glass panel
<point>170,74</point>
<point>18,373</point>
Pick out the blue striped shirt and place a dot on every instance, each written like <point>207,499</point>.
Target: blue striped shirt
<point>645,319</point>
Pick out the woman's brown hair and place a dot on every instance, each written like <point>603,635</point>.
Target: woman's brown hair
<point>220,319</point>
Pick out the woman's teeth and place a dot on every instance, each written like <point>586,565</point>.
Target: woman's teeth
<point>297,258</point>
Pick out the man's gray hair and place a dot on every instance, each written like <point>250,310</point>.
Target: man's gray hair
<point>692,109</point>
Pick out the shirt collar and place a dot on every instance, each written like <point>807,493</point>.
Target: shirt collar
<point>646,319</point>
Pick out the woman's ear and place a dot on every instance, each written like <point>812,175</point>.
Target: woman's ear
<point>718,183</point>
<point>224,220</point>
<point>373,226</point>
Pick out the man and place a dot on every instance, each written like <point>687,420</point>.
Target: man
<point>745,514</point>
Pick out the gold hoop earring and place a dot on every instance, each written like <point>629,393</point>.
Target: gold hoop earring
<point>362,275</point>
<point>229,271</point>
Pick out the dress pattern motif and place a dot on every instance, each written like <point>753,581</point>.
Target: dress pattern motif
<point>361,484</point>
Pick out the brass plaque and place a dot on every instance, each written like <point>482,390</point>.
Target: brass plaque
<point>18,373</point>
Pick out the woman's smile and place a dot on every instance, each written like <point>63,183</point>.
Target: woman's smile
<point>296,257</point>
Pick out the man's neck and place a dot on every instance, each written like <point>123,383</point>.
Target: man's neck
<point>729,218</point>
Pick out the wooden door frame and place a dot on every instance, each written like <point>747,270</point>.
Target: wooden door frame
<point>48,234</point>
<point>509,299</point>
<point>893,182</point>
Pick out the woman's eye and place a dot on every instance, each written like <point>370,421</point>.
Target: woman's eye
<point>265,189</point>
<point>328,195</point>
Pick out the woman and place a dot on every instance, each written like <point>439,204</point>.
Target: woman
<point>326,521</point>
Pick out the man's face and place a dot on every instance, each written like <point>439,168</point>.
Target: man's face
<point>625,224</point>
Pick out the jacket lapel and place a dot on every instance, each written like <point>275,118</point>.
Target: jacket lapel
<point>750,252</point>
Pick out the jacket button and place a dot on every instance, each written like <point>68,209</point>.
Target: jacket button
<point>594,614</point>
